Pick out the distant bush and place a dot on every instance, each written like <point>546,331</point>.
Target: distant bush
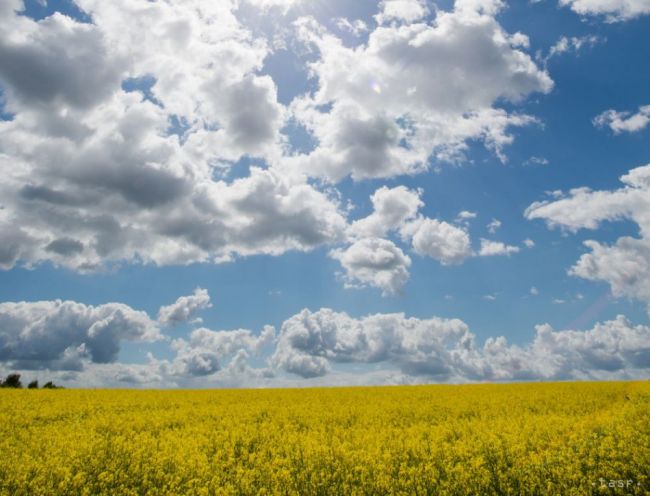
<point>12,381</point>
<point>51,385</point>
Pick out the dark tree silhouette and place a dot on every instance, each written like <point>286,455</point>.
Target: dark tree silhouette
<point>12,381</point>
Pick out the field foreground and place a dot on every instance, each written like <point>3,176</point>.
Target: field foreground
<point>546,439</point>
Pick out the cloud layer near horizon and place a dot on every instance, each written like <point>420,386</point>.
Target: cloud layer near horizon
<point>79,346</point>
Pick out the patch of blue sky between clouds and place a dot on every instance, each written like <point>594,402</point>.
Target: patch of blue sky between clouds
<point>143,84</point>
<point>299,139</point>
<point>4,115</point>
<point>40,9</point>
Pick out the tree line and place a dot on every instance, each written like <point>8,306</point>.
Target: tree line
<point>13,381</point>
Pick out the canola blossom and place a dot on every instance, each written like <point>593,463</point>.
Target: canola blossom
<point>515,439</point>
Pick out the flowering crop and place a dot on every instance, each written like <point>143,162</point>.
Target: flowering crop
<point>517,439</point>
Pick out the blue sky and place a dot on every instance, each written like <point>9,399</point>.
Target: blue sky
<point>246,99</point>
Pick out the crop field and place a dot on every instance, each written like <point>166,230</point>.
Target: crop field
<point>543,439</point>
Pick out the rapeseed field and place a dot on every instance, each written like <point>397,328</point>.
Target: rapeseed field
<point>515,439</point>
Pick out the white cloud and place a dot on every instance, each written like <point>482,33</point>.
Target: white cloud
<point>56,63</point>
<point>149,214</point>
<point>396,210</point>
<point>464,218</point>
<point>16,244</point>
<point>445,349</point>
<point>392,208</point>
<point>466,215</point>
<point>61,335</point>
<point>439,240</point>
<point>283,5</point>
<point>624,122</point>
<point>493,226</point>
<point>96,175</point>
<point>381,109</point>
<point>535,160</point>
<point>534,291</point>
<point>309,342</point>
<point>529,243</point>
<point>613,10</point>
<point>119,156</point>
<point>401,10</point>
<point>205,352</point>
<point>9,7</point>
<point>208,359</point>
<point>184,308</point>
<point>625,265</point>
<point>374,262</point>
<point>479,7</point>
<point>78,346</point>
<point>356,27</point>
<point>571,44</point>
<point>492,248</point>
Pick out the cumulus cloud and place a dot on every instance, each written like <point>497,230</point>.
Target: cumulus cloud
<point>176,221</point>
<point>184,308</point>
<point>401,10</point>
<point>444,242</point>
<point>625,265</point>
<point>374,262</point>
<point>57,63</point>
<point>99,172</point>
<point>9,7</point>
<point>613,10</point>
<point>126,153</point>
<point>609,349</point>
<point>16,244</point>
<point>206,350</point>
<point>466,215</point>
<point>392,208</point>
<point>413,90</point>
<point>207,358</point>
<point>62,334</point>
<point>78,345</point>
<point>491,248</point>
<point>624,122</point>
<point>310,343</point>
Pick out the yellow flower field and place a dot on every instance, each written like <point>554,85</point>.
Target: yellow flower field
<point>542,439</point>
